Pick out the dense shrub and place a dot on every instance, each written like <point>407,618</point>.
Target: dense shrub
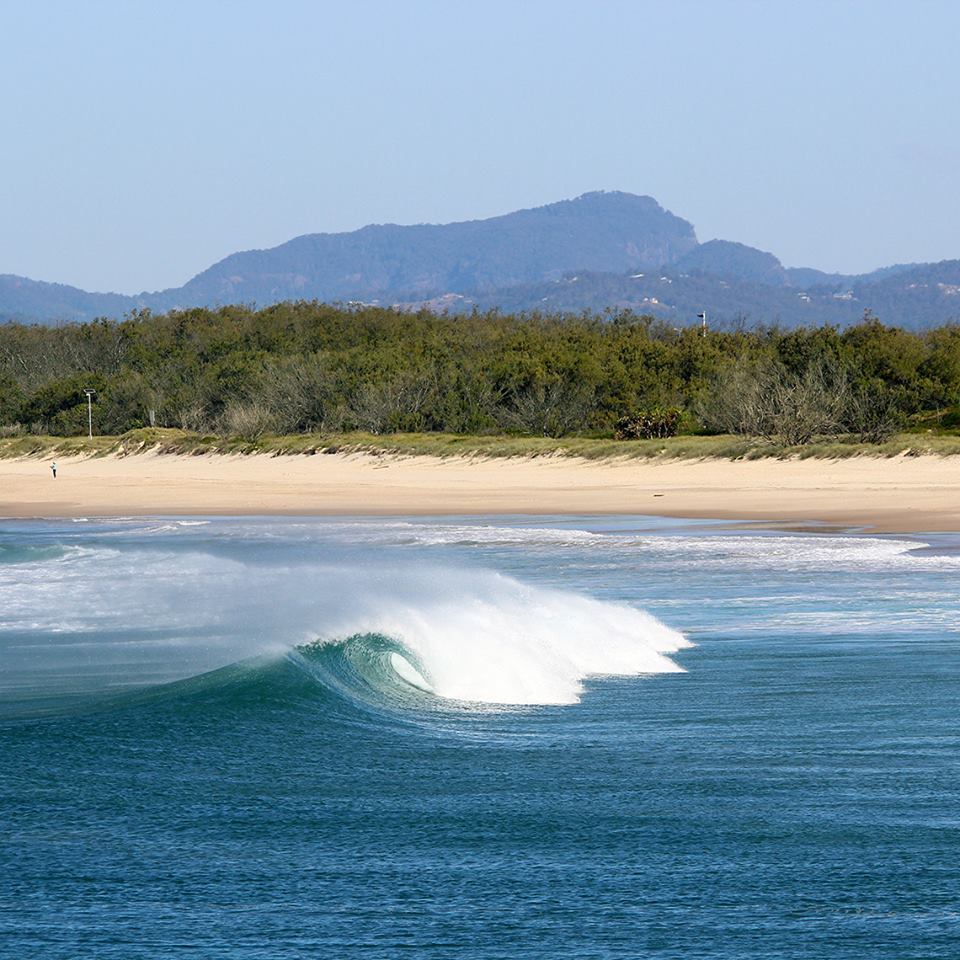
<point>769,400</point>
<point>951,419</point>
<point>59,407</point>
<point>297,367</point>
<point>652,425</point>
<point>12,399</point>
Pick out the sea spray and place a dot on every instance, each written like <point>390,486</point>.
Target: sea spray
<point>487,638</point>
<point>119,611</point>
<point>93,607</point>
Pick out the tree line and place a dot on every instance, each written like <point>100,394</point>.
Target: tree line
<point>304,367</point>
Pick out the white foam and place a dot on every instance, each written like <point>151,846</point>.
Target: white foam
<point>473,635</point>
<point>786,554</point>
<point>487,638</point>
<point>464,534</point>
<point>756,550</point>
<point>408,672</point>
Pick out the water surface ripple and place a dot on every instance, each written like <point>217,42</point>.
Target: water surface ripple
<point>587,738</point>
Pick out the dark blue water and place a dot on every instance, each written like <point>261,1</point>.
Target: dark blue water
<point>235,739</point>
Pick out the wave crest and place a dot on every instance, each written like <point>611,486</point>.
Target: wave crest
<point>497,641</point>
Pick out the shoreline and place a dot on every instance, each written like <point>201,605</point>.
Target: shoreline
<point>906,494</point>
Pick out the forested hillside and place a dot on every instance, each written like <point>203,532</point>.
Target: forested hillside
<point>303,366</point>
<point>599,252</point>
<point>609,231</point>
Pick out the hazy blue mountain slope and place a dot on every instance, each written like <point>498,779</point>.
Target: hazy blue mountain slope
<point>670,296</point>
<point>598,231</point>
<point>723,258</point>
<point>925,296</point>
<point>601,251</point>
<point>31,300</point>
<point>808,277</point>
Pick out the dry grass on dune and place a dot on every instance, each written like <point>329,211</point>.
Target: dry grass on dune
<point>167,441</point>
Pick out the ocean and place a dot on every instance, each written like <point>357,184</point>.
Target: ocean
<point>586,737</point>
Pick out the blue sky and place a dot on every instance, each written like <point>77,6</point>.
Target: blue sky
<point>143,141</point>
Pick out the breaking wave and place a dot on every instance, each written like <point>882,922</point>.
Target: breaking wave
<point>500,642</point>
<point>80,624</point>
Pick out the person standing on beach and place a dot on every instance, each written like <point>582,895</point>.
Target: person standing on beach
<point>53,468</point>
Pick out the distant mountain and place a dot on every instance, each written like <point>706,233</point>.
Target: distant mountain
<point>722,258</point>
<point>601,251</point>
<point>921,297</point>
<point>33,300</point>
<point>598,231</point>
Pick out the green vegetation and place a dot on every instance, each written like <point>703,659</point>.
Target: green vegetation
<point>300,377</point>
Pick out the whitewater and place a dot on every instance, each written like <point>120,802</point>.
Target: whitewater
<point>135,605</point>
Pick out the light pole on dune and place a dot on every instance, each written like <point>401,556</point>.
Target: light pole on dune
<point>90,395</point>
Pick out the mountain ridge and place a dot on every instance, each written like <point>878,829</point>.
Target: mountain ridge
<point>625,251</point>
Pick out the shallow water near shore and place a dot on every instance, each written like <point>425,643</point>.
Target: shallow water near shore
<point>477,737</point>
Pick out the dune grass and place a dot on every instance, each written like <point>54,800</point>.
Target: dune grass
<point>168,441</point>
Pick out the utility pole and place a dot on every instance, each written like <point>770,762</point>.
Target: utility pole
<point>90,394</point>
<point>703,326</point>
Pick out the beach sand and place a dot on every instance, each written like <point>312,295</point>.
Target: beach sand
<point>885,495</point>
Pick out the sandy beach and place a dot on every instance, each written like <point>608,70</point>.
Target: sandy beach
<point>885,495</point>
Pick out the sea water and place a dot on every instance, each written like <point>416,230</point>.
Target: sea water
<point>511,737</point>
